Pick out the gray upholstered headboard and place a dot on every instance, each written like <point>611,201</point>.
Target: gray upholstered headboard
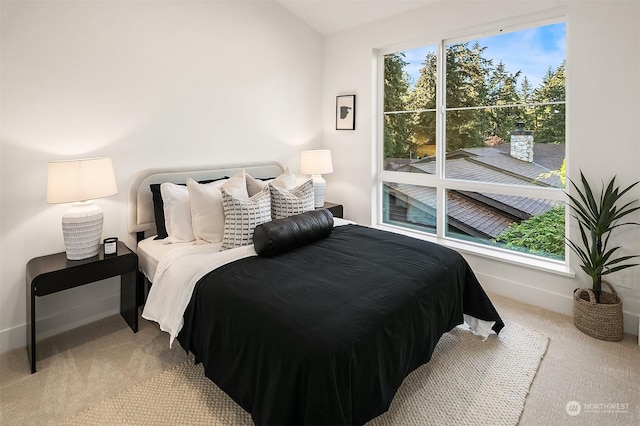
<point>141,216</point>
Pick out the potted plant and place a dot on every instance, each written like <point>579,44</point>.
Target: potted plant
<point>598,313</point>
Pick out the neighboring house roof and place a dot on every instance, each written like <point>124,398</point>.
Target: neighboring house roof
<point>480,219</point>
<point>477,214</point>
<point>481,214</point>
<point>549,155</point>
<point>489,164</point>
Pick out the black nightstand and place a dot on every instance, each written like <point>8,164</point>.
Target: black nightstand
<point>54,273</point>
<point>335,209</point>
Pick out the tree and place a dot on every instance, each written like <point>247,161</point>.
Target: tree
<point>550,119</point>
<point>423,96</point>
<point>467,72</point>
<point>502,90</point>
<point>397,127</point>
<point>525,96</point>
<point>474,82</point>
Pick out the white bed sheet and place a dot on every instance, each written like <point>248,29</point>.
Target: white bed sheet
<point>150,251</point>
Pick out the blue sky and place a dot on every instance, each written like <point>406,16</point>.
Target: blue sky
<point>531,51</point>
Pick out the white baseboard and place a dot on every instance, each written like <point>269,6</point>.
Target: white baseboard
<point>556,302</point>
<point>14,338</point>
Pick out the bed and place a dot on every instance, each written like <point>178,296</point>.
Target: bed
<point>322,330</point>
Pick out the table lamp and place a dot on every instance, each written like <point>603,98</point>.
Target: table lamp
<point>79,182</point>
<point>316,163</point>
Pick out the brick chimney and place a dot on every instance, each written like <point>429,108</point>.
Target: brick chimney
<point>522,143</point>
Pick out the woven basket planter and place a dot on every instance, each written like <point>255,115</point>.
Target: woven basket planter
<point>602,320</point>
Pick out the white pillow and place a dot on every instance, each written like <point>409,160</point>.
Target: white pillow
<point>242,216</point>
<point>255,185</point>
<point>177,212</point>
<point>286,203</point>
<point>286,180</point>
<point>207,214</point>
<point>237,185</point>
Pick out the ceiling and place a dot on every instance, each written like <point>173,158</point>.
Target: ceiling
<point>333,16</point>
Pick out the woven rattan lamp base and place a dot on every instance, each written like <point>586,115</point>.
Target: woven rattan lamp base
<point>82,229</point>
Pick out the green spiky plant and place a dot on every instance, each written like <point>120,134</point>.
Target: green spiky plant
<point>597,217</point>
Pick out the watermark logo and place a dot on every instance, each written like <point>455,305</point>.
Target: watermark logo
<point>573,408</point>
<point>606,408</point>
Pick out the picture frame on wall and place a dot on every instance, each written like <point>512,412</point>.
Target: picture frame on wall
<point>346,112</point>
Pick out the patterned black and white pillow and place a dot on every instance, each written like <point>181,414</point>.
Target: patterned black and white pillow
<point>241,216</point>
<point>285,203</point>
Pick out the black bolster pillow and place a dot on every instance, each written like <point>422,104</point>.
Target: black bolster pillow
<point>282,235</point>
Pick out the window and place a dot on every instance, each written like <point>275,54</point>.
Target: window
<point>473,139</point>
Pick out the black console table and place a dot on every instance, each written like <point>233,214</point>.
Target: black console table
<point>54,273</point>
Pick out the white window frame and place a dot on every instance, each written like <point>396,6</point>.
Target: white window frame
<point>439,180</point>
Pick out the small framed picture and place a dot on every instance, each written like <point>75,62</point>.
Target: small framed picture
<point>346,112</point>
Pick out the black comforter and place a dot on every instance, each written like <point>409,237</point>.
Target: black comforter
<point>326,333</point>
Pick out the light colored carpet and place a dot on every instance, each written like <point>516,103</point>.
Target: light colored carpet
<point>86,365</point>
<point>467,382</point>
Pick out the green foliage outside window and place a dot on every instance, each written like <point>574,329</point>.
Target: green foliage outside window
<point>397,128</point>
<point>540,234</point>
<point>472,81</point>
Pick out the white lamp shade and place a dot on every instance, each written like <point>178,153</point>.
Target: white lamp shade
<point>316,162</point>
<point>80,180</point>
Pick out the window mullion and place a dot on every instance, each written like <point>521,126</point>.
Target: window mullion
<point>441,151</point>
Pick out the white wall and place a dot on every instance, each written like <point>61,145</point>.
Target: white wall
<point>603,92</point>
<point>149,84</point>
